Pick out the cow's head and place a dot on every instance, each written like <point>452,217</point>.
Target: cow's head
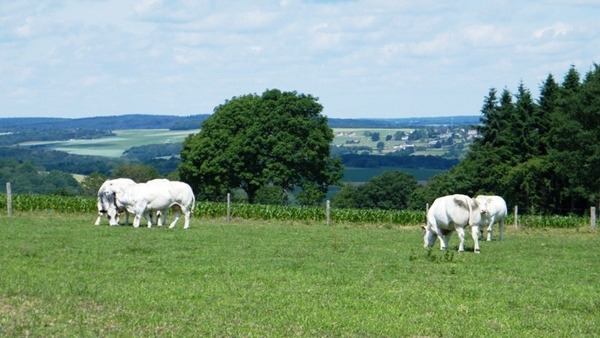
<point>482,203</point>
<point>112,213</point>
<point>429,237</point>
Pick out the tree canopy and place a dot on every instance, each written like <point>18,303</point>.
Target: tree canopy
<point>390,190</point>
<point>278,138</point>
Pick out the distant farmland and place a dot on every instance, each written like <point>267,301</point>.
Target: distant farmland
<point>125,139</point>
<point>115,146</point>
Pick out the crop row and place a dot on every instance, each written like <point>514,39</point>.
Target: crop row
<point>70,204</point>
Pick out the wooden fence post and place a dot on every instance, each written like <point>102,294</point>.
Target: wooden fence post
<point>593,217</point>
<point>328,211</point>
<point>8,199</point>
<point>516,216</point>
<point>228,207</point>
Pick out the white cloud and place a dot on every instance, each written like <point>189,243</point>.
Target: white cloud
<point>557,29</point>
<point>484,35</point>
<point>361,57</point>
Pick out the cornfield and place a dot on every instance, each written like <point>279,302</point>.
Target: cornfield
<point>72,204</point>
<point>31,202</point>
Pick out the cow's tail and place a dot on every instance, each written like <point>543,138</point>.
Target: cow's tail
<point>193,204</point>
<point>470,211</point>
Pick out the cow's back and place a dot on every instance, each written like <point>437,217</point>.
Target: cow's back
<point>162,194</point>
<point>109,187</point>
<point>153,195</point>
<point>448,211</point>
<point>498,206</point>
<point>182,193</point>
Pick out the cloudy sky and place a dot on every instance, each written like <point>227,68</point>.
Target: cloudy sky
<point>361,58</point>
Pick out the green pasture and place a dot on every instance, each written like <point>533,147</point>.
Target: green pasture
<point>61,276</point>
<point>114,146</point>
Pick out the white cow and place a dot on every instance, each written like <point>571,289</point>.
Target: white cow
<point>161,215</point>
<point>448,214</point>
<point>157,195</point>
<point>106,197</point>
<point>493,210</point>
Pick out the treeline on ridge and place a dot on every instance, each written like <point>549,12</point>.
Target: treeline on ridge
<point>408,161</point>
<point>131,121</point>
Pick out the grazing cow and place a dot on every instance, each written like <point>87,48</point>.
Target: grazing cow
<point>157,195</point>
<point>493,210</point>
<point>448,214</point>
<point>106,197</point>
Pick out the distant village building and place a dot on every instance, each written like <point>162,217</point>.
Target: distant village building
<point>472,133</point>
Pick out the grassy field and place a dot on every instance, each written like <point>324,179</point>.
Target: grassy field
<point>62,276</point>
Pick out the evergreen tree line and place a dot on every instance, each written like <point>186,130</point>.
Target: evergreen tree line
<point>542,155</point>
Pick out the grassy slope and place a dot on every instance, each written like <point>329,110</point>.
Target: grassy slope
<point>62,276</point>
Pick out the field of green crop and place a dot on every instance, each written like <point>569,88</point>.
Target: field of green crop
<point>62,276</point>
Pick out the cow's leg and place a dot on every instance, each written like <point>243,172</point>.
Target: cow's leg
<point>461,237</point>
<point>176,213</point>
<point>159,221</point>
<point>445,239</point>
<point>100,214</point>
<point>136,220</point>
<point>147,215</point>
<point>126,217</point>
<point>443,243</point>
<point>490,229</point>
<point>188,213</point>
<point>475,235</point>
<point>161,216</point>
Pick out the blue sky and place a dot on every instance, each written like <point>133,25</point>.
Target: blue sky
<point>379,58</point>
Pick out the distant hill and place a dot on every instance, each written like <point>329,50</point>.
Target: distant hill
<point>407,122</point>
<point>103,122</point>
<point>140,121</point>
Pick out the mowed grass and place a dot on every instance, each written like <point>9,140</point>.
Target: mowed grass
<point>62,276</point>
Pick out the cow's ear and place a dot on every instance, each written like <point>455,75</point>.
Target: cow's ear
<point>489,200</point>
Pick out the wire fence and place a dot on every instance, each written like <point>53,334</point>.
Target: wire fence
<point>319,214</point>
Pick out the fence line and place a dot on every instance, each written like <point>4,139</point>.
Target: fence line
<point>325,213</point>
<point>228,207</point>
<point>9,198</point>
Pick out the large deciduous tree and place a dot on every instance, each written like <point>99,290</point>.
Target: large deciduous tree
<point>278,138</point>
